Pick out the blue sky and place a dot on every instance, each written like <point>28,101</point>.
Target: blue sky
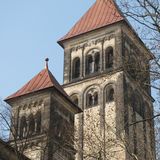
<point>29,30</point>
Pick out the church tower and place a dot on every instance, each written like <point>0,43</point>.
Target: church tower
<point>42,119</point>
<point>106,73</point>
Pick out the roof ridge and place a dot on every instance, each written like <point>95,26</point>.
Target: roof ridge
<point>43,80</point>
<point>38,82</point>
<point>57,86</point>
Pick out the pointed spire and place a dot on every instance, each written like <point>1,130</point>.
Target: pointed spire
<point>46,63</point>
<point>101,14</point>
<point>43,80</point>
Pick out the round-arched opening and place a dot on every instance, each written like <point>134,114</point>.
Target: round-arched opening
<point>109,58</point>
<point>76,68</point>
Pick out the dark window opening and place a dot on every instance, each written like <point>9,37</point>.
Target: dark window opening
<point>89,65</point>
<point>23,127</point>
<point>95,99</point>
<point>90,102</point>
<point>137,105</point>
<point>76,68</point>
<point>109,57</point>
<point>110,95</point>
<point>75,99</point>
<point>97,62</point>
<point>31,125</point>
<point>38,122</point>
<point>132,67</point>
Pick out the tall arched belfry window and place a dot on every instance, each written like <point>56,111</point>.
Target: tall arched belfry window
<point>31,124</point>
<point>89,64</point>
<point>76,68</point>
<point>38,122</point>
<point>93,61</point>
<point>109,58</point>
<point>97,62</point>
<point>23,127</point>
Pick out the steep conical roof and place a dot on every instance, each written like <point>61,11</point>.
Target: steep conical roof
<point>102,13</point>
<point>42,80</point>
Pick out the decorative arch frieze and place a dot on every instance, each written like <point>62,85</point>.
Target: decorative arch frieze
<point>30,124</point>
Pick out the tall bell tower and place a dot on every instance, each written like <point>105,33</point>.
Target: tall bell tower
<point>106,73</point>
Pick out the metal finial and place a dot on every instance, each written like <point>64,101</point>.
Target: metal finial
<point>46,64</point>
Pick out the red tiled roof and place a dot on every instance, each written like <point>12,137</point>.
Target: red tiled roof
<point>102,13</point>
<point>41,81</point>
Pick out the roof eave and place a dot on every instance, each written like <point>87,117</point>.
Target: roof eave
<point>79,110</point>
<point>62,40</point>
<point>9,99</point>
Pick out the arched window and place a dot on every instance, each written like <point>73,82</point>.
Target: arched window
<point>109,58</point>
<point>93,61</point>
<point>89,64</point>
<point>92,99</point>
<point>23,127</point>
<point>76,68</point>
<point>132,66</point>
<point>139,106</point>
<point>109,94</point>
<point>38,122</point>
<point>97,62</point>
<point>75,99</point>
<point>31,124</point>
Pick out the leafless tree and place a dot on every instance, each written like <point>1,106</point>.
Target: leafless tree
<point>144,16</point>
<point>109,141</point>
<point>10,133</point>
<point>147,15</point>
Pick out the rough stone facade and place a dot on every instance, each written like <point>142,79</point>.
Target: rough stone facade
<point>54,137</point>
<point>106,129</point>
<point>106,74</point>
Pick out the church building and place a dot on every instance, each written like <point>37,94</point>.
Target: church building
<point>105,101</point>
